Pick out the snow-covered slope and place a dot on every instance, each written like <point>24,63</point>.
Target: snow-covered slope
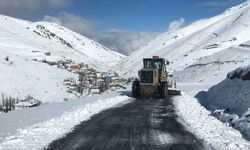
<point>77,42</point>
<point>26,77</point>
<point>213,69</point>
<point>201,41</point>
<point>25,43</point>
<point>60,41</point>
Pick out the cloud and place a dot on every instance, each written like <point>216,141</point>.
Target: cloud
<point>175,25</point>
<point>216,3</point>
<point>73,22</point>
<point>19,8</point>
<point>49,18</point>
<point>122,41</point>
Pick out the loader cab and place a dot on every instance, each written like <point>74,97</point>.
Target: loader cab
<point>149,63</point>
<point>153,80</point>
<point>152,70</point>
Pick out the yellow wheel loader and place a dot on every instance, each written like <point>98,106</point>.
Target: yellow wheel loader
<point>153,80</point>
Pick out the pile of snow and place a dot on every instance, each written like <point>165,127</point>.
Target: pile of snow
<point>232,95</point>
<point>194,51</point>
<point>37,127</point>
<point>216,134</point>
<point>26,44</point>
<point>242,123</point>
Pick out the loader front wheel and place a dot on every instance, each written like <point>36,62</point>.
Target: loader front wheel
<point>164,90</point>
<point>136,89</point>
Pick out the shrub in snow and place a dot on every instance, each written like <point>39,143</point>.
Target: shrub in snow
<point>6,58</point>
<point>47,53</point>
<point>244,45</point>
<point>236,74</point>
<point>240,73</point>
<point>246,75</point>
<point>234,39</point>
<point>11,63</point>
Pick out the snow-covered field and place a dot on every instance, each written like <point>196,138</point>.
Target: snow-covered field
<point>26,77</point>
<point>35,128</point>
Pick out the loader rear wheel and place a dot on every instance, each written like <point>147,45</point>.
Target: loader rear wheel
<point>136,89</point>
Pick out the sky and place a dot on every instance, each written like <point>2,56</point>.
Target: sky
<point>122,25</point>
<point>147,15</point>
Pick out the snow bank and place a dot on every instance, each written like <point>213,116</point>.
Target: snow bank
<point>232,95</point>
<point>242,124</point>
<point>38,135</point>
<point>216,134</point>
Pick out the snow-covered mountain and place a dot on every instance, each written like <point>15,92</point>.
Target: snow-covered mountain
<point>202,51</point>
<point>60,41</point>
<point>25,43</point>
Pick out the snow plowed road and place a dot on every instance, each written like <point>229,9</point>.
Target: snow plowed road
<point>142,124</point>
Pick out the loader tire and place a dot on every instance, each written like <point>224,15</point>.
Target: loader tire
<point>164,90</point>
<point>136,89</point>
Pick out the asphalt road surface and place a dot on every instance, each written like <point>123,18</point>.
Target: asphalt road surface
<point>139,125</point>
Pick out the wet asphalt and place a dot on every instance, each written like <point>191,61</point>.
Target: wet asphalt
<point>139,125</point>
